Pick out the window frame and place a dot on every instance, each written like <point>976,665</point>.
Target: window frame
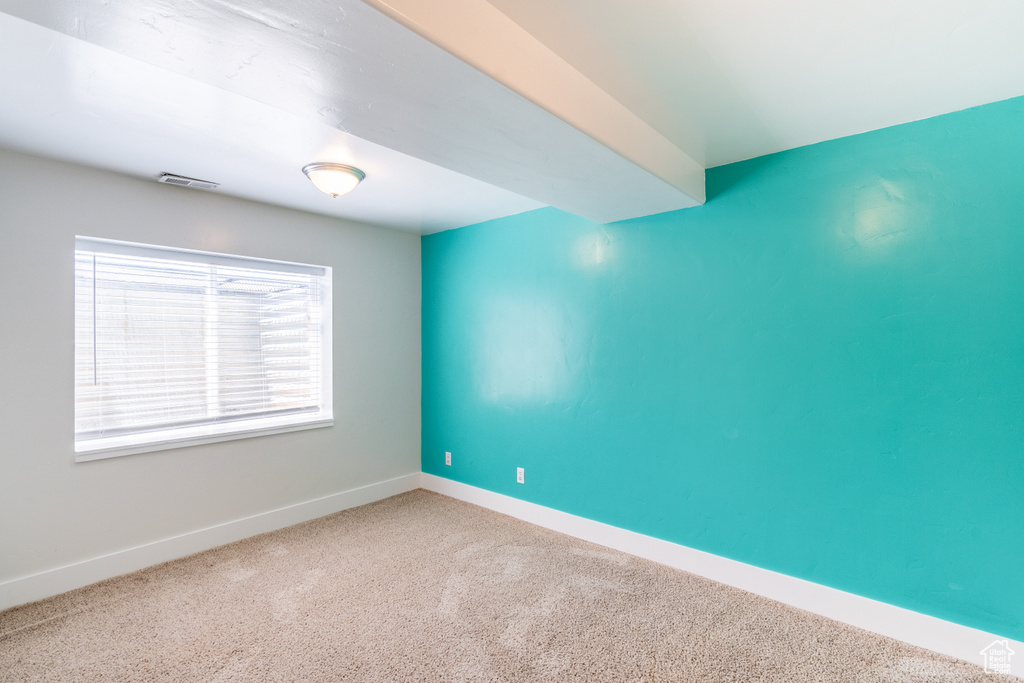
<point>180,437</point>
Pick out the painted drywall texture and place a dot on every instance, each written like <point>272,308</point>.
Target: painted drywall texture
<point>819,372</point>
<point>54,512</point>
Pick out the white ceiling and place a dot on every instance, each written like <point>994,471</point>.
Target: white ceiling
<point>465,110</point>
<point>727,80</point>
<point>73,100</point>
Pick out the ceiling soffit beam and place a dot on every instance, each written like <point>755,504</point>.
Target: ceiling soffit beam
<point>347,64</point>
<point>478,34</point>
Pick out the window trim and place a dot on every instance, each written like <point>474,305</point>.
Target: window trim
<point>181,437</point>
<point>99,449</point>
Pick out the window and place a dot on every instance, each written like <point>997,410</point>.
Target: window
<point>177,347</point>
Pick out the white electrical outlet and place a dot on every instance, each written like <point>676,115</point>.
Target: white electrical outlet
<point>448,458</point>
<point>520,475</point>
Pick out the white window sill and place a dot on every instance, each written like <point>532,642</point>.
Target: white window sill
<point>116,446</point>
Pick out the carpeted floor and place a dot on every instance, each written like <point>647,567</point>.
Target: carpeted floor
<point>421,587</point>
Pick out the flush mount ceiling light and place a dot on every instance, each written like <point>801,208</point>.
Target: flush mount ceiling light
<point>333,179</point>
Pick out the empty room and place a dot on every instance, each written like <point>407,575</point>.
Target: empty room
<point>511,340</point>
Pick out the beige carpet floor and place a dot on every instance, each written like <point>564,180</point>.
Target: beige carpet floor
<point>421,587</point>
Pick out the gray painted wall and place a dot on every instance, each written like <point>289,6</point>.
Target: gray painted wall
<point>54,512</point>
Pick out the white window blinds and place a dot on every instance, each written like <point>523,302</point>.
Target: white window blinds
<point>173,345</point>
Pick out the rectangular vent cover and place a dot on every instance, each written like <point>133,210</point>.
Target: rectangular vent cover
<point>183,181</point>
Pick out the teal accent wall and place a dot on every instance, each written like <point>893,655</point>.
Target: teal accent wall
<point>819,372</point>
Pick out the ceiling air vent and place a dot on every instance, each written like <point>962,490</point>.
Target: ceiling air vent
<point>183,181</point>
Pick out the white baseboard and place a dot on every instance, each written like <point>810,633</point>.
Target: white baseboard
<point>54,581</point>
<point>911,627</point>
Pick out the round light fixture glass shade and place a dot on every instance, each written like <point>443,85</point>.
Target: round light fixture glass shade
<point>333,179</point>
